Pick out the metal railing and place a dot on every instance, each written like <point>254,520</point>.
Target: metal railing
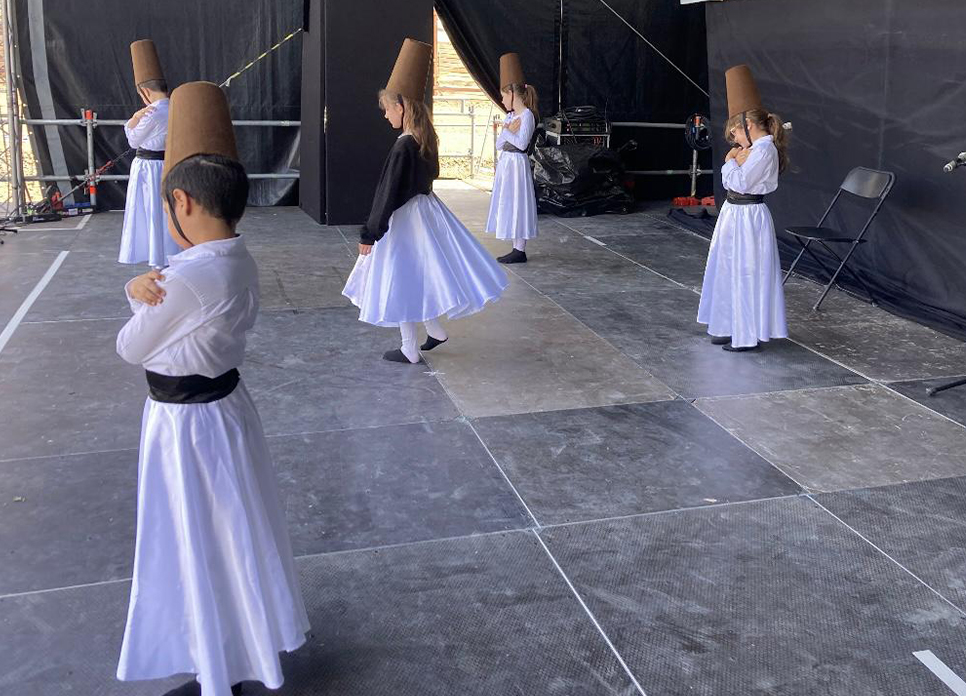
<point>90,122</point>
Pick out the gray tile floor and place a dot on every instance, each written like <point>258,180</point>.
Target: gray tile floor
<point>578,494</point>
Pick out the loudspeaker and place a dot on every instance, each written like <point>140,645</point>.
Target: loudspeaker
<point>347,56</point>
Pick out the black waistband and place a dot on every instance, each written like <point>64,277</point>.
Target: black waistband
<point>191,389</point>
<point>510,147</point>
<point>149,154</point>
<point>744,198</point>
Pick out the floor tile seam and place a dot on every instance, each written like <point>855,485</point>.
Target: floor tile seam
<point>755,450</point>
<point>516,492</point>
<point>603,340</point>
<point>797,390</point>
<point>268,436</point>
<point>458,404</point>
<point>884,553</point>
<point>671,511</point>
<point>448,539</point>
<point>637,263</point>
<point>590,615</point>
<point>298,557</point>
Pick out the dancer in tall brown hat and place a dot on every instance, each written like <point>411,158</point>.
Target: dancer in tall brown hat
<point>742,300</point>
<point>214,592</point>
<point>417,262</point>
<point>144,235</point>
<point>513,203</point>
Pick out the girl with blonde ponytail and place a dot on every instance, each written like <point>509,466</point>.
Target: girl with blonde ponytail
<point>742,299</point>
<point>417,262</point>
<point>513,205</point>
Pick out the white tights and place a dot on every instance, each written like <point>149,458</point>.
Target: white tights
<point>520,244</point>
<point>410,346</point>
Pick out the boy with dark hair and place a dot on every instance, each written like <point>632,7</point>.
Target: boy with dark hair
<point>144,236</point>
<point>214,591</point>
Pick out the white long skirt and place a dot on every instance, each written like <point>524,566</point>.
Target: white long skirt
<point>145,237</point>
<point>742,295</point>
<point>426,266</point>
<point>513,205</point>
<point>214,592</point>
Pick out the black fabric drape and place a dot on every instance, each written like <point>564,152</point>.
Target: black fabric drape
<point>89,65</point>
<point>883,86</point>
<point>474,56</point>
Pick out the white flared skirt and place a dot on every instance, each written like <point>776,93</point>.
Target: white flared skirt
<point>427,265</point>
<point>145,237</point>
<point>742,294</point>
<point>215,591</point>
<point>513,205</point>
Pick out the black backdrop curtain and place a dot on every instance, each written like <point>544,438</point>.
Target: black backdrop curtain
<point>882,86</point>
<point>76,54</point>
<point>604,64</point>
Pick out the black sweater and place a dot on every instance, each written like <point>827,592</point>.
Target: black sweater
<point>404,175</point>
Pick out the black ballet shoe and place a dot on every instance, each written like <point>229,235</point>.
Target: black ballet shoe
<point>432,343</point>
<point>398,356</point>
<point>236,690</point>
<point>515,256</point>
<point>740,349</point>
<point>720,340</point>
<point>192,688</point>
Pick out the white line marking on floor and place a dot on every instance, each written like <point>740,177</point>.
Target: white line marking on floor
<point>31,298</point>
<point>590,615</point>
<point>594,240</point>
<point>941,670</point>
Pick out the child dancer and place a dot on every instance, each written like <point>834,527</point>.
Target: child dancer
<point>145,234</point>
<point>214,591</point>
<point>417,262</point>
<point>513,205</point>
<point>742,300</point>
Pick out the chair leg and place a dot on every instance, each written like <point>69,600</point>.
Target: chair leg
<point>843,266</point>
<point>797,259</point>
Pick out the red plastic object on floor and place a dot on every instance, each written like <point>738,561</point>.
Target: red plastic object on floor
<point>685,201</point>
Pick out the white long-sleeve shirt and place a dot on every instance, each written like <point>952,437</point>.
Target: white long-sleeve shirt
<point>520,139</point>
<point>152,130</point>
<point>758,175</point>
<point>211,301</point>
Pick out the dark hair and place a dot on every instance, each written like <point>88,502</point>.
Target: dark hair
<point>155,85</point>
<point>216,183</point>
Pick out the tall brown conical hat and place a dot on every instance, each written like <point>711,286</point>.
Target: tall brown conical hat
<point>742,91</point>
<point>147,66</point>
<point>199,123</point>
<point>511,70</point>
<point>411,71</point>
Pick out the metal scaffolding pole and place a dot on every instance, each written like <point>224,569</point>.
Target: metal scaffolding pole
<point>13,109</point>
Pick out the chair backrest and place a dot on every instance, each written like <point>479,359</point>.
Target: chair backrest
<point>868,183</point>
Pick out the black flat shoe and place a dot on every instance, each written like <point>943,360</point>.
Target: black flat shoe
<point>515,256</point>
<point>720,340</point>
<point>432,343</point>
<point>741,349</point>
<point>398,356</point>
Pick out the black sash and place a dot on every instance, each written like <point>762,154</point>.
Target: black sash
<point>744,198</point>
<point>510,147</point>
<point>191,389</point>
<point>149,154</point>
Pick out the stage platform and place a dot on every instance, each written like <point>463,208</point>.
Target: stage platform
<point>577,495</point>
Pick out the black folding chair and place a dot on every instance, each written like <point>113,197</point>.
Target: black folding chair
<point>869,184</point>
